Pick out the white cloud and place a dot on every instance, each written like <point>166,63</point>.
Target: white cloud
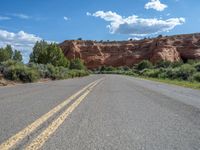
<point>65,18</point>
<point>4,18</point>
<point>155,4</point>
<point>21,16</point>
<point>21,41</point>
<point>133,25</point>
<point>88,14</point>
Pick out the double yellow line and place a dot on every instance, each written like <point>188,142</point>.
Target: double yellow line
<point>43,137</point>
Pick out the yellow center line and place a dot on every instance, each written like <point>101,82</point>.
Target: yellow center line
<point>12,141</point>
<point>39,141</point>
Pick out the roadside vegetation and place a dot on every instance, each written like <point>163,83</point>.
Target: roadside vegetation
<point>46,61</point>
<point>179,73</point>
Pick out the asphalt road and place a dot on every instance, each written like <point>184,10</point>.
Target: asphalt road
<point>113,113</point>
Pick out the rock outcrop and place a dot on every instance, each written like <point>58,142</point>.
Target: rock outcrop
<point>128,53</point>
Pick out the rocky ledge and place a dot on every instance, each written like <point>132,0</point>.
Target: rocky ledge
<point>128,53</point>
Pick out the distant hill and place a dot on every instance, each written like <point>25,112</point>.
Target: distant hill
<point>128,53</point>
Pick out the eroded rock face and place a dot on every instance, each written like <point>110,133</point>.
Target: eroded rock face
<point>166,53</point>
<point>128,53</point>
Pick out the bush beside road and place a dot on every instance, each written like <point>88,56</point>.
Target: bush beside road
<point>46,61</point>
<point>184,74</point>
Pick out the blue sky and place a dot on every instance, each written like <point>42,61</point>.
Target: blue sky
<point>23,22</point>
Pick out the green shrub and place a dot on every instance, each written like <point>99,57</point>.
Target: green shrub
<point>77,73</point>
<point>21,72</point>
<point>196,77</point>
<point>121,68</point>
<point>145,64</point>
<point>197,66</point>
<point>152,73</point>
<point>9,63</point>
<point>57,73</point>
<point>110,68</point>
<point>77,64</point>
<point>45,71</point>
<point>182,73</point>
<point>126,68</point>
<point>102,68</point>
<point>39,67</point>
<point>192,61</point>
<point>186,71</point>
<point>162,75</point>
<point>170,73</point>
<point>130,73</point>
<point>163,64</point>
<point>177,64</point>
<point>52,72</point>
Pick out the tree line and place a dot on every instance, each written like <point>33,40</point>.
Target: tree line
<point>47,60</point>
<point>8,53</point>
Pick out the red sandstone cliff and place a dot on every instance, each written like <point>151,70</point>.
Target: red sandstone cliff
<point>128,53</point>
